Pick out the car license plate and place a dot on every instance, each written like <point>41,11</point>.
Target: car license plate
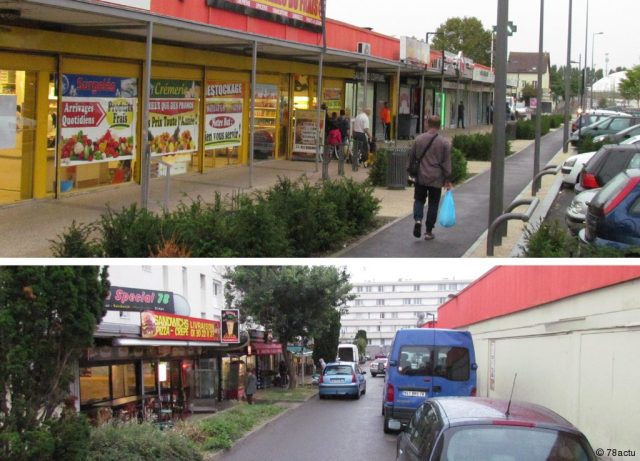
<point>414,393</point>
<point>337,380</point>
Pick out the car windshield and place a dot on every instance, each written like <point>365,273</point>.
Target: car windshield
<point>511,443</point>
<point>451,363</point>
<point>338,370</point>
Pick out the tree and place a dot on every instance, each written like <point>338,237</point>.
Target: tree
<point>466,35</point>
<point>48,315</point>
<point>325,343</point>
<point>361,342</point>
<point>528,92</point>
<point>630,85</point>
<point>292,301</point>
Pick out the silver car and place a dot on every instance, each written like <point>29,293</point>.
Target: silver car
<point>378,367</point>
<point>577,212</point>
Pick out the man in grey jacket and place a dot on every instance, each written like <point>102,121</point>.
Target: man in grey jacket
<point>434,174</point>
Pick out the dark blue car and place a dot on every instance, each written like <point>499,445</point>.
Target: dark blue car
<point>613,217</point>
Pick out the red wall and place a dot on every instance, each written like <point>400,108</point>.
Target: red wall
<point>508,289</point>
<point>340,35</point>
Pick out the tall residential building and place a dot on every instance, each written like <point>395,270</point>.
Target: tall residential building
<point>382,308</point>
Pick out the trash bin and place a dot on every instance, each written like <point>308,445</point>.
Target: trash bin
<point>413,126</point>
<point>397,176</point>
<point>511,130</point>
<point>404,126</point>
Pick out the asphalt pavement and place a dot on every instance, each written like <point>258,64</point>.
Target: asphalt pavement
<point>472,212</point>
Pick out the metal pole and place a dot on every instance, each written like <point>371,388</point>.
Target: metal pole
<point>320,132</point>
<point>252,117</point>
<point>145,170</point>
<point>366,86</point>
<point>541,63</point>
<point>422,104</point>
<point>584,73</point>
<point>442,110</point>
<point>567,87</point>
<point>397,99</point>
<point>593,70</point>
<point>496,190</point>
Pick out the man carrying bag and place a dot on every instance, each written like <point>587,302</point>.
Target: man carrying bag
<point>432,152</point>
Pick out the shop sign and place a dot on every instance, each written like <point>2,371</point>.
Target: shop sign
<point>135,299</point>
<point>306,131</point>
<point>483,75</point>
<point>268,349</point>
<point>230,326</point>
<point>140,4</point>
<point>158,325</point>
<point>224,106</point>
<point>98,119</point>
<point>299,13</point>
<point>173,117</point>
<point>414,51</point>
<point>333,99</point>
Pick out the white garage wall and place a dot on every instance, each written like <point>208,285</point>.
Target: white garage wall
<point>579,356</point>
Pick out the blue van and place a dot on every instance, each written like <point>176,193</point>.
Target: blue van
<point>426,362</point>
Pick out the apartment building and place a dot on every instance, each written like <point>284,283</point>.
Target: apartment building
<point>382,308</point>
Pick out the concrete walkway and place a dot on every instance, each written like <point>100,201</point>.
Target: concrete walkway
<point>472,214</point>
<point>28,227</point>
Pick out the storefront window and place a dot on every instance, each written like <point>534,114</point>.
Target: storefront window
<point>204,379</point>
<point>174,126</point>
<point>285,119</point>
<point>223,133</point>
<point>149,378</point>
<point>123,380</point>
<point>17,134</point>
<point>98,130</point>
<point>266,121</point>
<point>94,384</point>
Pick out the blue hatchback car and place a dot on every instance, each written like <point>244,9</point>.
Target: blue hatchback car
<point>342,379</point>
<point>613,217</point>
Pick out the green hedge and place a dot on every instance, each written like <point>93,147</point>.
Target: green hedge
<point>586,144</point>
<point>526,129</point>
<point>293,218</point>
<point>477,146</point>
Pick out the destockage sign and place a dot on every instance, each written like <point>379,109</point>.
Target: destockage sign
<point>135,299</point>
<point>300,13</point>
<point>156,325</point>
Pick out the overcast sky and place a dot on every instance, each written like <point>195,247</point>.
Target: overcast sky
<point>618,19</point>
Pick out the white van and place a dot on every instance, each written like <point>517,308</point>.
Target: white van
<point>348,353</point>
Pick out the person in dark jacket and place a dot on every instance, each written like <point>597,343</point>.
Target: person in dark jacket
<point>251,385</point>
<point>434,174</point>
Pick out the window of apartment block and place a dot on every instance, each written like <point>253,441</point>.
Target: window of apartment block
<point>185,282</point>
<point>406,301</point>
<point>417,301</point>
<point>381,315</point>
<point>203,290</point>
<point>416,288</point>
<point>380,288</point>
<point>368,289</point>
<point>442,286</point>
<point>216,288</point>
<point>360,289</point>
<point>358,302</point>
<point>380,302</point>
<point>394,315</point>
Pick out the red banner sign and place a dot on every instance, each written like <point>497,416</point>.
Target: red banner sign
<point>303,12</point>
<point>158,325</point>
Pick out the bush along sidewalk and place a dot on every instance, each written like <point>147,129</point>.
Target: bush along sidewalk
<point>292,218</point>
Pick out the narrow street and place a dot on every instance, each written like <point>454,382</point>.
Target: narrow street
<point>330,429</point>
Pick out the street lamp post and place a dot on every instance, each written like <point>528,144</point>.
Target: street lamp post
<point>441,80</point>
<point>567,88</point>
<point>593,70</point>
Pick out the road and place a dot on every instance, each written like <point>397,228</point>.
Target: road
<point>330,429</point>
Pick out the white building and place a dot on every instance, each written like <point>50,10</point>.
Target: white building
<point>382,308</point>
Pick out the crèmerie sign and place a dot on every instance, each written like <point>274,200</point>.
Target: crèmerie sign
<point>298,13</point>
<point>136,299</point>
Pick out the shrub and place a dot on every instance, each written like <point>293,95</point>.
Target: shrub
<point>378,171</point>
<point>356,206</point>
<point>458,166</point>
<point>71,435</point>
<point>139,442</point>
<point>549,240</point>
<point>475,146</point>
<point>132,232</point>
<point>586,144</point>
<point>525,129</point>
<point>76,242</point>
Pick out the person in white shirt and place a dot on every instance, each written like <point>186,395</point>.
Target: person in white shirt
<point>361,135</point>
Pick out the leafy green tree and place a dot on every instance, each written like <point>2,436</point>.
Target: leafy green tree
<point>361,334</point>
<point>557,82</point>
<point>466,35</point>
<point>292,301</point>
<point>528,92</point>
<point>630,85</point>
<point>361,342</point>
<point>325,343</point>
<point>48,315</point>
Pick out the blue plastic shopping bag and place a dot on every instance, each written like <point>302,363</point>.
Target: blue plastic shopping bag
<point>447,217</point>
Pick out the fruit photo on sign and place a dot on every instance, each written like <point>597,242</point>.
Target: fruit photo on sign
<point>80,147</point>
<point>166,143</point>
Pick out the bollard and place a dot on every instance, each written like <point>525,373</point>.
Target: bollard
<point>342,151</point>
<point>166,183</point>
<point>327,151</point>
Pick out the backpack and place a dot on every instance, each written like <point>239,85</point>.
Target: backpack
<point>334,137</point>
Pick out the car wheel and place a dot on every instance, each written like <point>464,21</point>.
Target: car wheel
<point>364,391</point>
<point>374,374</point>
<point>357,396</point>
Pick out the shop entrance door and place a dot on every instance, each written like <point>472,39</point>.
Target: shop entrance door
<point>17,134</point>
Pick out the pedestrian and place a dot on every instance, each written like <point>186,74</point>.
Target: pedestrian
<point>385,118</point>
<point>434,174</point>
<point>461,114</point>
<point>251,385</point>
<point>327,120</point>
<point>361,135</point>
<point>491,112</point>
<point>282,369</point>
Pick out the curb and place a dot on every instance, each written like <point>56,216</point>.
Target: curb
<point>213,456</point>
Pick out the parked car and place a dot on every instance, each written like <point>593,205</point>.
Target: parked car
<point>522,111</point>
<point>608,162</point>
<point>378,367</point>
<point>423,363</point>
<point>482,429</point>
<point>576,213</point>
<point>608,125</point>
<point>572,167</point>
<point>616,138</point>
<point>592,116</point>
<point>613,216</point>
<point>342,378</point>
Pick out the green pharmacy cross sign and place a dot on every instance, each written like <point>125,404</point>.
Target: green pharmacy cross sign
<point>511,28</point>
